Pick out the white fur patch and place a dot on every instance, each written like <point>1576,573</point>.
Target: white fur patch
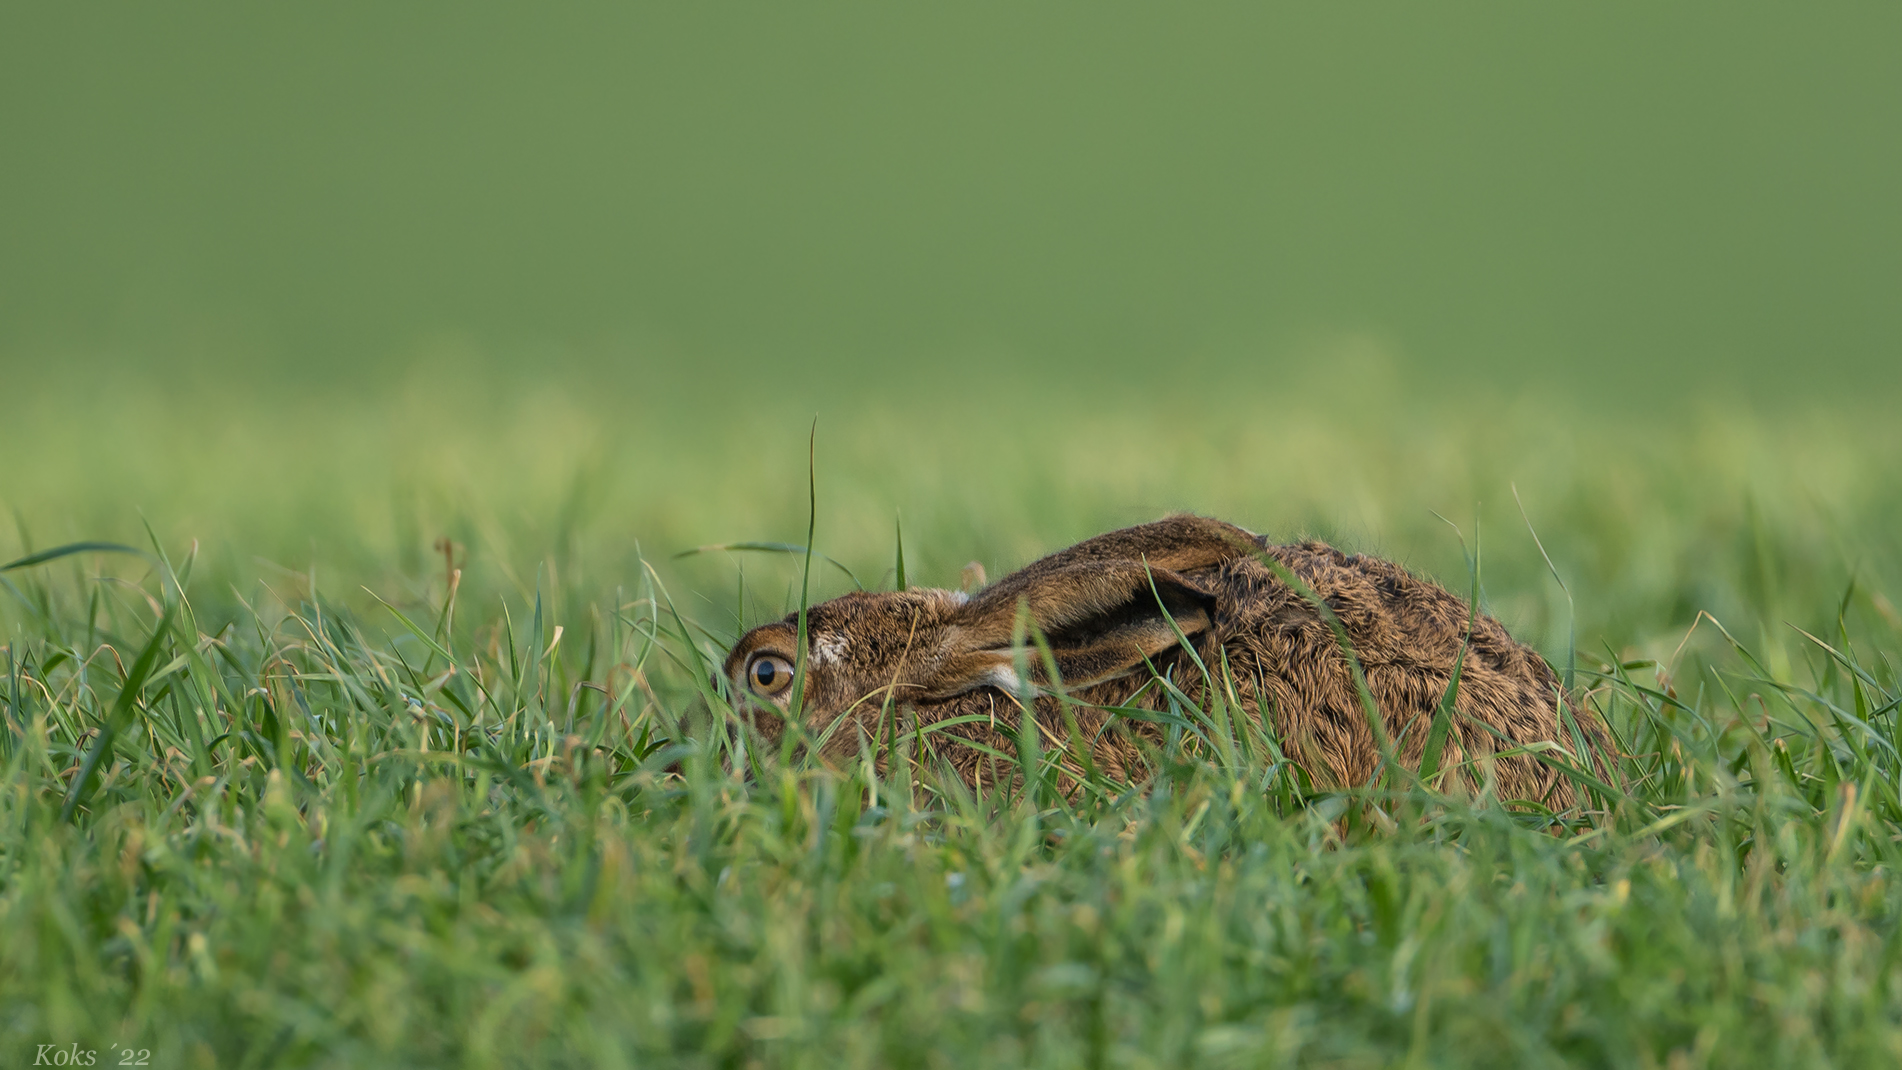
<point>827,648</point>
<point>1002,677</point>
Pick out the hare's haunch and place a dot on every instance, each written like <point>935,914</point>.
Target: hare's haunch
<point>932,657</point>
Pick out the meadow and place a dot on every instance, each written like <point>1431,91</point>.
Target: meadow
<point>384,737</point>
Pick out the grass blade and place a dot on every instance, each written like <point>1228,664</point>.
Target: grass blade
<point>70,549</point>
<point>120,716</point>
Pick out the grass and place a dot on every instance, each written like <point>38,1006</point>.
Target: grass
<point>343,806</point>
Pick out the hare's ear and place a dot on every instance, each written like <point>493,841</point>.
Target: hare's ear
<point>1182,543</point>
<point>1101,621</point>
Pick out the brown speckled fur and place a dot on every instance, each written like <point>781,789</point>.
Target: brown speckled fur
<point>941,657</point>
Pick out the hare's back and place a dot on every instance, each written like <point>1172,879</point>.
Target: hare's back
<point>1392,617</point>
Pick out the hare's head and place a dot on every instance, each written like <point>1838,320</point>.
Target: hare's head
<point>1103,606</point>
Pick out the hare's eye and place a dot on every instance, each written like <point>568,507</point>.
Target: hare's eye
<point>769,674</point>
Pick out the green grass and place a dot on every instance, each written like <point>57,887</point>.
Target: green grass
<point>491,826</point>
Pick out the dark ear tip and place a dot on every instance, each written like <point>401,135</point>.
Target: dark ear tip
<point>1186,594</point>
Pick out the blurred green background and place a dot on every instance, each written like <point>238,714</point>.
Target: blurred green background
<point>320,284</point>
<point>1684,196</point>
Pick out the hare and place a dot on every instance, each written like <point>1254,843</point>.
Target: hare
<point>1116,611</point>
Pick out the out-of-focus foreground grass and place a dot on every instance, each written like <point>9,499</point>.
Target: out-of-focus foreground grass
<point>252,817</point>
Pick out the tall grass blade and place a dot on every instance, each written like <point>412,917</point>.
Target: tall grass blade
<point>898,539</point>
<point>70,549</point>
<point>797,704</point>
<point>120,715</point>
<point>1571,608</point>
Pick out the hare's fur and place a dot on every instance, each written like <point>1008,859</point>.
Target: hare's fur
<point>927,657</point>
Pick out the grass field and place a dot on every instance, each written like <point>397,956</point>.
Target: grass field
<point>392,361</point>
<point>284,788</point>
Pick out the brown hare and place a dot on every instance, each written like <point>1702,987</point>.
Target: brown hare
<point>934,656</point>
